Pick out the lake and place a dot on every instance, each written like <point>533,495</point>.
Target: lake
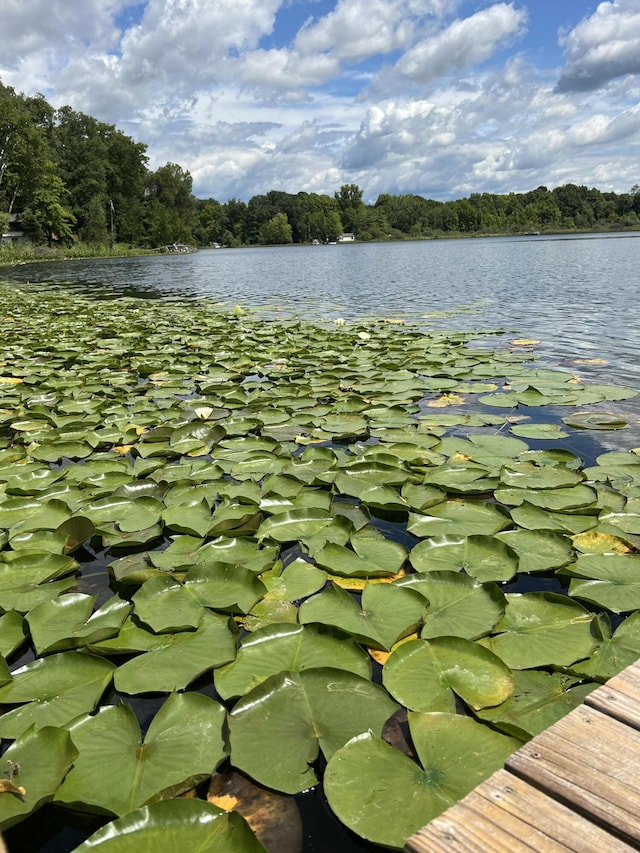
<point>577,295</point>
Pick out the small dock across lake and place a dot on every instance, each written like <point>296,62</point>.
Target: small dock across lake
<point>575,786</point>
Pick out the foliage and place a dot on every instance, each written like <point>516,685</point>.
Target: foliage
<point>195,499</point>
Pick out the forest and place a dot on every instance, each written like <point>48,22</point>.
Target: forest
<point>66,177</point>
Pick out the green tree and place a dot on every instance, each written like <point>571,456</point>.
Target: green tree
<point>352,208</point>
<point>276,231</point>
<point>47,207</point>
<point>169,206</point>
<point>319,218</point>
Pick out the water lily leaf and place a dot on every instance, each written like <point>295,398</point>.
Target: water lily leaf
<point>377,558</point>
<point>557,500</point>
<point>116,771</point>
<point>239,552</point>
<point>22,515</point>
<point>538,550</point>
<point>419,497</point>
<point>458,606</point>
<point>451,517</point>
<point>166,606</point>
<point>613,653</point>
<point>29,579</point>
<point>528,475</point>
<point>190,824</point>
<point>299,580</point>
<point>70,621</point>
<point>224,587</point>
<point>296,524</point>
<point>44,757</point>
<point>456,754</point>
<point>595,420</point>
<point>532,517</point>
<point>274,818</point>
<point>610,580</point>
<point>540,629</point>
<point>13,632</point>
<point>288,647</point>
<point>387,613</point>
<point>141,514</point>
<point>193,519</point>
<point>177,659</point>
<point>269,611</point>
<point>539,431</point>
<point>539,700</point>
<point>484,558</point>
<point>279,727</point>
<point>424,675</point>
<point>55,689</point>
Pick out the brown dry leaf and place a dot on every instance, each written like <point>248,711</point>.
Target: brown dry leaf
<point>273,817</point>
<point>10,380</point>
<point>524,342</point>
<point>589,361</point>
<point>446,400</point>
<point>396,732</point>
<point>592,542</point>
<point>7,787</point>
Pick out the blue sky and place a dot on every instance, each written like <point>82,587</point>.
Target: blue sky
<point>436,97</point>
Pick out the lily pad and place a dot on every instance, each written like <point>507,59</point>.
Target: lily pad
<point>424,675</point>
<point>456,754</point>
<point>279,727</point>
<point>116,771</point>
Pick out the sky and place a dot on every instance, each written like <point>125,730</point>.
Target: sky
<point>441,98</point>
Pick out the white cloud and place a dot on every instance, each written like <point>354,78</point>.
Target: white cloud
<point>463,44</point>
<point>602,47</point>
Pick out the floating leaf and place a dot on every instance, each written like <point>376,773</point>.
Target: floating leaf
<point>456,754</point>
<point>288,647</point>
<point>116,771</point>
<point>278,728</point>
<point>541,628</point>
<point>175,824</point>
<point>424,675</point>
<point>44,757</point>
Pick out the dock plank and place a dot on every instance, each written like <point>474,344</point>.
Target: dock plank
<point>507,815</point>
<point>589,761</point>
<point>620,697</point>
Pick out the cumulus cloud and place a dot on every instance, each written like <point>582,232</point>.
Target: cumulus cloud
<point>463,44</point>
<point>602,47</point>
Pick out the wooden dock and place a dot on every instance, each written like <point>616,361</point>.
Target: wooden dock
<point>575,786</point>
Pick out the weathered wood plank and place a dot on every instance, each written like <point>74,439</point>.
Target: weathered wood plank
<point>590,762</point>
<point>507,815</point>
<point>620,697</point>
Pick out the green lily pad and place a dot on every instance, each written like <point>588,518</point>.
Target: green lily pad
<point>424,675</point>
<point>611,581</point>
<point>456,754</point>
<point>458,606</point>
<point>484,558</point>
<point>52,691</point>
<point>279,727</point>
<point>387,613</point>
<point>538,550</point>
<point>595,420</point>
<point>70,621</point>
<point>296,524</point>
<point>613,653</point>
<point>539,700</point>
<point>288,647</point>
<point>13,632</point>
<point>116,771</point>
<point>177,659</point>
<point>186,824</point>
<point>451,517</point>
<point>540,629</point>
<point>43,757</point>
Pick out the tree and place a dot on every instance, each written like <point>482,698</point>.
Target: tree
<point>276,231</point>
<point>48,209</point>
<point>169,207</point>
<point>319,218</point>
<point>352,208</point>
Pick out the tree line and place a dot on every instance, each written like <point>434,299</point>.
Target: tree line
<point>71,177</point>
